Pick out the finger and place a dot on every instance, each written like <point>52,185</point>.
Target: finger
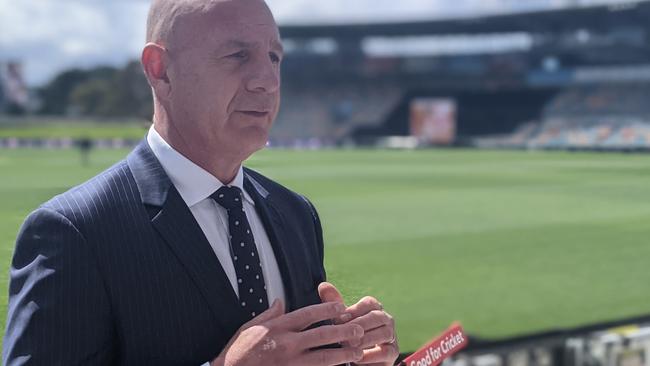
<point>302,318</point>
<point>329,293</point>
<point>377,336</point>
<point>364,306</point>
<point>329,334</point>
<point>374,319</point>
<point>383,353</point>
<point>331,357</point>
<point>274,311</point>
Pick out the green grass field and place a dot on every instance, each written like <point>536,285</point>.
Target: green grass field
<point>506,242</point>
<point>52,128</point>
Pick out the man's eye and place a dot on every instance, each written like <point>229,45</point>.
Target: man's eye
<point>274,58</point>
<point>238,55</point>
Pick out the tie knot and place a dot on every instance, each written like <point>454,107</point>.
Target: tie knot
<point>228,197</point>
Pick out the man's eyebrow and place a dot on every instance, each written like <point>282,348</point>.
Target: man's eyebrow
<point>233,43</point>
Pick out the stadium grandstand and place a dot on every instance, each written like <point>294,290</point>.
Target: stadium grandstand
<point>574,78</point>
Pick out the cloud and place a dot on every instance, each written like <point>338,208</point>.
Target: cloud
<point>51,35</point>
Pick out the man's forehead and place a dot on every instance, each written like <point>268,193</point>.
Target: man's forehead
<point>245,20</point>
<point>234,11</point>
<point>233,16</point>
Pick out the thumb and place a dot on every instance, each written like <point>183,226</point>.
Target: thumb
<point>329,293</point>
<point>274,311</point>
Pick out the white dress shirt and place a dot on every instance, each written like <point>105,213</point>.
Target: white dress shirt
<point>195,185</point>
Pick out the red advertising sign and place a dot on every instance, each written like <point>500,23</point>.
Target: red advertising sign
<point>441,348</point>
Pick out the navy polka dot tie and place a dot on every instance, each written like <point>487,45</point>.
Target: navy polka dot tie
<point>250,280</point>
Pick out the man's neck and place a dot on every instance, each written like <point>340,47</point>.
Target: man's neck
<point>222,167</point>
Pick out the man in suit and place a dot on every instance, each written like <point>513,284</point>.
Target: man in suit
<point>178,255</point>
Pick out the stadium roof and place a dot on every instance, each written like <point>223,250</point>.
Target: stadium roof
<point>596,18</point>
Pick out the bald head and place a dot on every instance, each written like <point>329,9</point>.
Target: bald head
<point>165,16</point>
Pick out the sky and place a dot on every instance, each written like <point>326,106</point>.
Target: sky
<point>48,36</point>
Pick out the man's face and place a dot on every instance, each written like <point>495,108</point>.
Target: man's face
<point>225,78</point>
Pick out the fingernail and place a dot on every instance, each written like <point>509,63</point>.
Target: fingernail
<point>340,307</point>
<point>346,317</point>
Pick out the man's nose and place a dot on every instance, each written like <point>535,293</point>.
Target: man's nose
<point>265,79</point>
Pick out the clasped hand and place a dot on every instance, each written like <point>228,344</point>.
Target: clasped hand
<point>379,341</point>
<point>365,332</point>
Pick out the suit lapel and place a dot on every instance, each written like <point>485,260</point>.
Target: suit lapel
<point>184,236</point>
<point>174,221</point>
<point>276,231</point>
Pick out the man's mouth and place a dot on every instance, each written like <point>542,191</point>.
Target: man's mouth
<point>255,113</point>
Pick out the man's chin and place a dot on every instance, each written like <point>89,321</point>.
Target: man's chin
<point>254,137</point>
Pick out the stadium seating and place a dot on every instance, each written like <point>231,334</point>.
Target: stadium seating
<point>603,117</point>
<point>329,112</point>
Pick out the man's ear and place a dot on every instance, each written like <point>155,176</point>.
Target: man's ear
<point>155,63</point>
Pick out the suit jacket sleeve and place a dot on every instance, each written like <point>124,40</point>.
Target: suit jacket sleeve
<point>58,305</point>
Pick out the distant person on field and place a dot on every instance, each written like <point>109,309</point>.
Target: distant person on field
<point>85,144</point>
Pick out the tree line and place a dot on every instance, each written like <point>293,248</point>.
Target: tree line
<point>98,92</point>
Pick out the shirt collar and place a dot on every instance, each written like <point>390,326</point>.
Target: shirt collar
<point>193,183</point>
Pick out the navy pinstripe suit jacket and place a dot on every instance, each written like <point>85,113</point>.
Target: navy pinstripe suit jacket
<point>117,272</point>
